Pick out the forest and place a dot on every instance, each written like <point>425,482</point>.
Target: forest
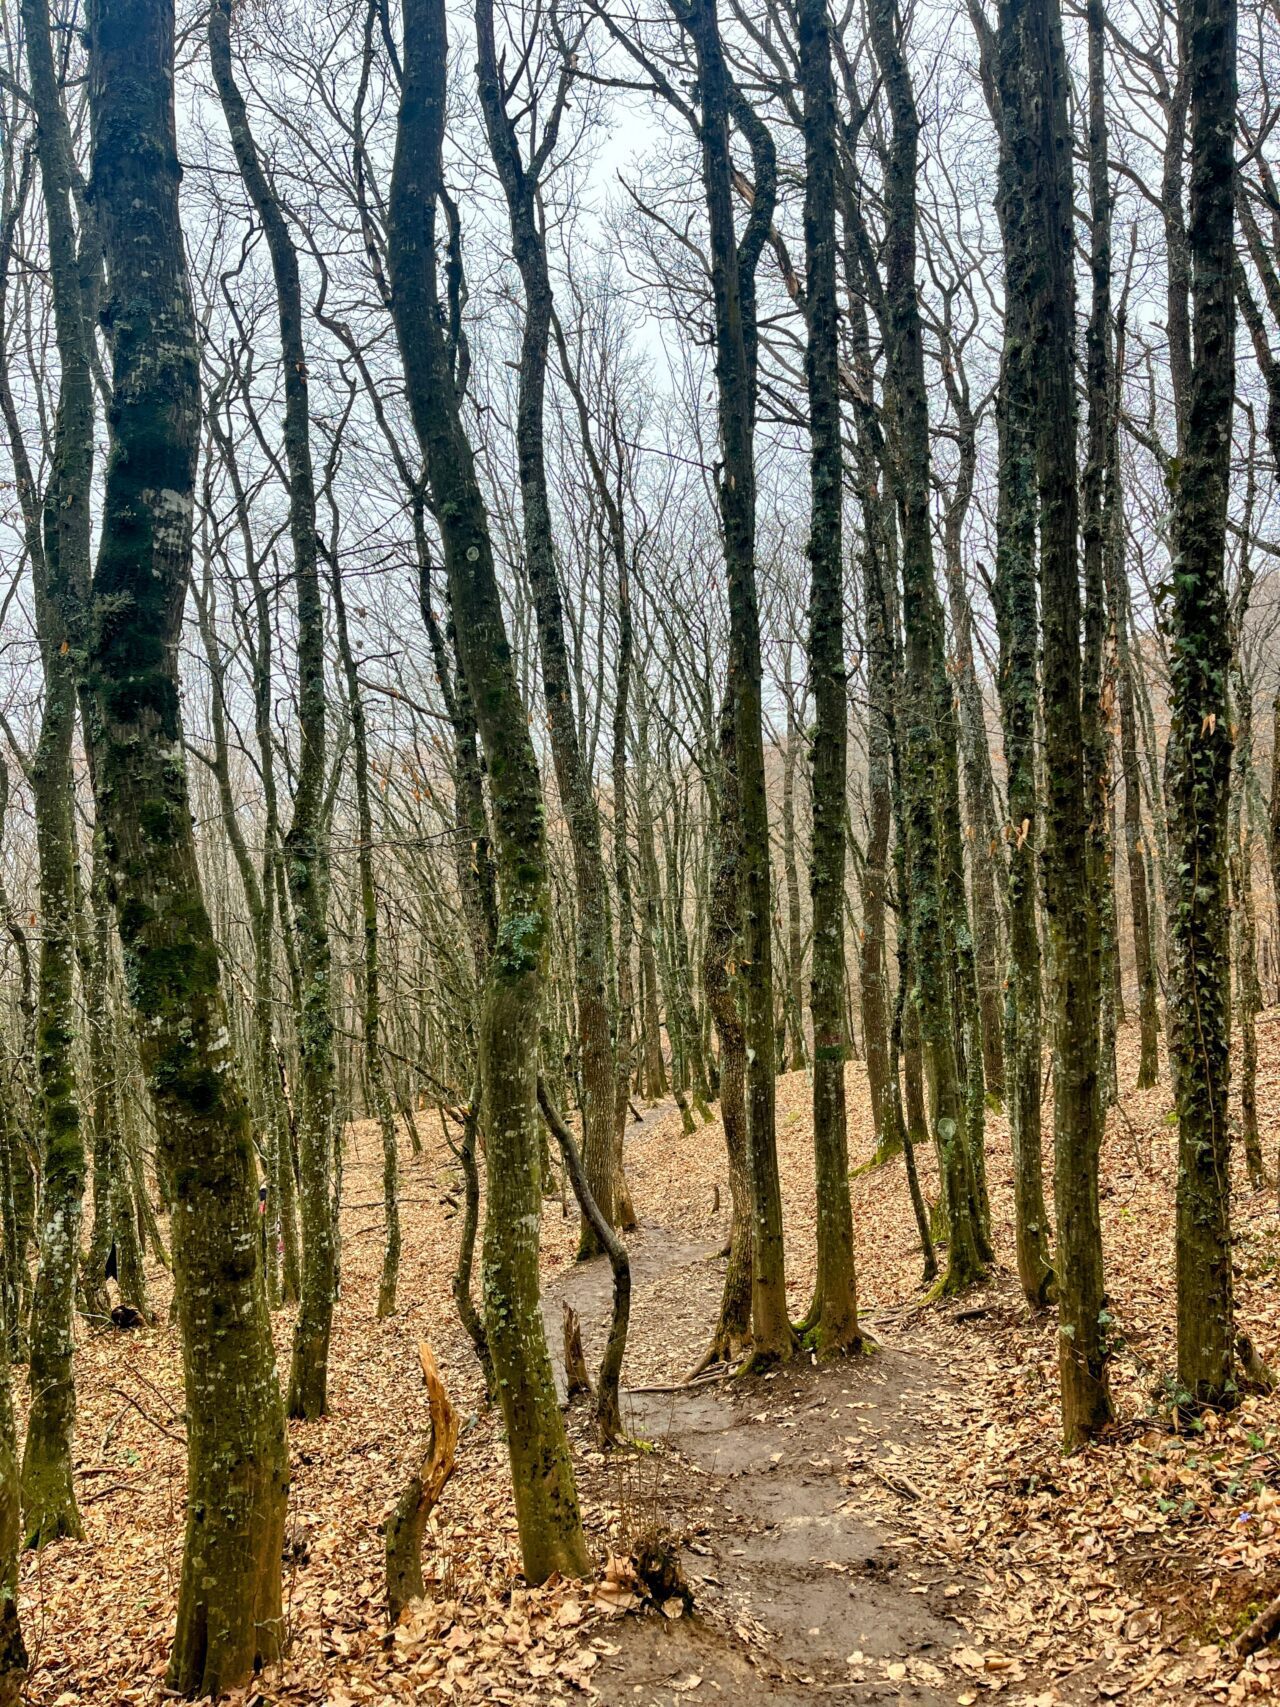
<point>639,851</point>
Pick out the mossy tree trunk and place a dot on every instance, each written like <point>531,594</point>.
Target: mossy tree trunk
<point>17,1197</point>
<point>1031,79</point>
<point>1016,620</point>
<point>880,637</point>
<point>371,1004</point>
<point>229,1597</point>
<point>260,882</point>
<point>720,955</point>
<point>1198,756</point>
<point>13,1651</point>
<point>926,695</point>
<point>520,178</point>
<point>833,1316</point>
<point>1096,494</point>
<point>1121,620</point>
<point>603,475</point>
<point>653,1072</point>
<point>306,845</point>
<point>797,1054</point>
<point>733,270</point>
<point>1018,631</point>
<point>60,557</point>
<point>980,826</point>
<point>551,1536</point>
<point>1248,990</point>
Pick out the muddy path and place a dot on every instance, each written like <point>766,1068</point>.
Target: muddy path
<point>801,1589</point>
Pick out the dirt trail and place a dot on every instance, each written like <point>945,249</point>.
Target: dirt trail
<point>799,1593</point>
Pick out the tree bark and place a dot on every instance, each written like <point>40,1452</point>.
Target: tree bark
<point>733,267</point>
<point>732,1334</point>
<point>1198,756</point>
<point>1032,82</point>
<point>926,690</point>
<point>520,180</point>
<point>832,1321</point>
<point>421,1494</point>
<point>59,548</point>
<point>306,845</point>
<point>229,1601</point>
<point>551,1536</point>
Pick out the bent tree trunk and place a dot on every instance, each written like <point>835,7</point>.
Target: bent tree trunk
<point>420,1494</point>
<point>229,1604</point>
<point>609,1430</point>
<point>546,1500</point>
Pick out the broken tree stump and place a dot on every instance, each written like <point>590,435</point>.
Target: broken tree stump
<point>576,1378</point>
<point>405,1526</point>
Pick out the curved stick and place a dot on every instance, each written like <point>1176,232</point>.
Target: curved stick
<point>608,1409</point>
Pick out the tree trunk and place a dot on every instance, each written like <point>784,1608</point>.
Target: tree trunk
<point>1248,992</point>
<point>1130,771</point>
<point>306,846</point>
<point>1198,756</point>
<point>229,1603</point>
<point>798,1056</point>
<point>732,1333</point>
<point>13,1652</point>
<point>653,1069</point>
<point>520,183</point>
<point>371,1007</point>
<point>1036,144</point>
<point>733,266</point>
<point>60,555</point>
<point>551,1536</point>
<point>832,1320</point>
<point>926,695</point>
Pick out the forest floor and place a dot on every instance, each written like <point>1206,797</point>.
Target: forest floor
<point>899,1528</point>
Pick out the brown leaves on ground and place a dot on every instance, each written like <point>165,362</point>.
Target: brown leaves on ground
<point>1122,1573</point>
